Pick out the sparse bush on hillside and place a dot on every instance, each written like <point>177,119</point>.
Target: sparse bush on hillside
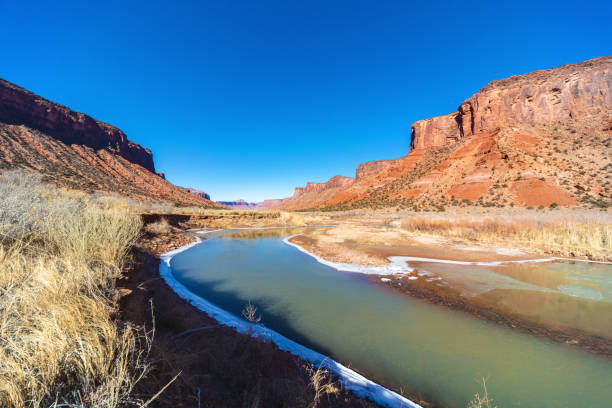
<point>59,257</point>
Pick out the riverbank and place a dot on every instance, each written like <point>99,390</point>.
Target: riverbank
<point>377,250</point>
<point>218,366</point>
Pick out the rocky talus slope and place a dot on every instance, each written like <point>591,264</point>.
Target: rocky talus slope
<point>539,139</point>
<point>73,150</point>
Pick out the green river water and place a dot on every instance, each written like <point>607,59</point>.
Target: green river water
<point>398,341</point>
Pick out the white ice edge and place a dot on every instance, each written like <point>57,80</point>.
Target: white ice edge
<point>352,381</point>
<point>397,264</point>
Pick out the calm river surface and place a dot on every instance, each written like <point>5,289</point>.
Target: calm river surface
<point>393,339</point>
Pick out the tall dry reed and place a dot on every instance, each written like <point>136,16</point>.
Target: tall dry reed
<point>60,254</point>
<point>579,233</point>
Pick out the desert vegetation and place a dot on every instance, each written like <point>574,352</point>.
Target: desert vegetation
<point>60,254</point>
<point>566,233</point>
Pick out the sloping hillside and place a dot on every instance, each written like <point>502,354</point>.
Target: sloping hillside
<point>74,150</point>
<point>540,139</point>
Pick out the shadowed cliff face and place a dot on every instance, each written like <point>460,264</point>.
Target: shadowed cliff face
<point>535,139</point>
<point>73,150</point>
<point>554,95</point>
<point>21,107</point>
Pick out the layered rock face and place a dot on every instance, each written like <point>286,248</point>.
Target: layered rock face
<point>314,194</point>
<point>199,193</point>
<point>528,140</point>
<point>334,182</point>
<point>21,107</point>
<point>270,203</point>
<point>559,94</point>
<point>372,168</point>
<point>73,150</point>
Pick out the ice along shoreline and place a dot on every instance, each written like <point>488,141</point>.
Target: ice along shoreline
<point>351,380</point>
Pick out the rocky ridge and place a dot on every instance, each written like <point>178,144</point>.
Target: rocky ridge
<point>239,204</point>
<point>73,150</point>
<point>538,139</point>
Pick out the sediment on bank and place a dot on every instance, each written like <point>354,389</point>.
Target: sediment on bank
<point>451,298</point>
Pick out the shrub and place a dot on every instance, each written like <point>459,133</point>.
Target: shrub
<point>59,261</point>
<point>158,227</point>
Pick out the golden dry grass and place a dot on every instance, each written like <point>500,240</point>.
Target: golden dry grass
<point>59,342</point>
<point>576,233</point>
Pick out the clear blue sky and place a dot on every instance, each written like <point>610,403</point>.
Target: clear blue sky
<point>248,99</point>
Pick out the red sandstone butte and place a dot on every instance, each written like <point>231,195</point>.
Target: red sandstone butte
<point>523,140</point>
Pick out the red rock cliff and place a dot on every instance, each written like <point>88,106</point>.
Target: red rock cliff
<point>21,107</point>
<point>334,182</point>
<point>558,94</point>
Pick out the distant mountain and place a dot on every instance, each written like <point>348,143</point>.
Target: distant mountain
<point>71,149</point>
<point>239,204</point>
<point>542,138</point>
<point>270,204</point>
<point>199,193</point>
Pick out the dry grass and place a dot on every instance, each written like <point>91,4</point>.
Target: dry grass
<point>59,257</point>
<point>322,384</point>
<point>577,233</point>
<point>159,227</point>
<point>482,401</point>
<point>277,217</point>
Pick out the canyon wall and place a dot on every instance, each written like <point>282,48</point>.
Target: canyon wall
<point>558,94</point>
<point>73,150</point>
<point>21,107</point>
<point>334,182</point>
<point>523,140</point>
<point>199,193</point>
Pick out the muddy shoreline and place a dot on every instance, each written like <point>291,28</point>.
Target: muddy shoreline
<point>452,299</point>
<point>575,338</point>
<point>218,366</point>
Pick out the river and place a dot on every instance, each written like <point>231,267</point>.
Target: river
<point>398,341</point>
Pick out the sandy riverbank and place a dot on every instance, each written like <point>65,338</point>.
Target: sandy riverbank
<point>374,249</point>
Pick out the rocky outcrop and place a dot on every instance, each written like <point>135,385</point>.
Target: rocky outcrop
<point>270,204</point>
<point>21,107</point>
<point>199,193</point>
<point>553,95</point>
<point>334,182</point>
<point>314,195</point>
<point>372,168</point>
<point>528,140</point>
<point>73,150</point>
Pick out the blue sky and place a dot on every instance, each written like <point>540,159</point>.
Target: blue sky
<point>248,99</point>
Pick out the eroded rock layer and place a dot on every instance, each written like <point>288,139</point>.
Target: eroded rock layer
<point>560,94</point>
<point>73,150</point>
<point>539,139</point>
